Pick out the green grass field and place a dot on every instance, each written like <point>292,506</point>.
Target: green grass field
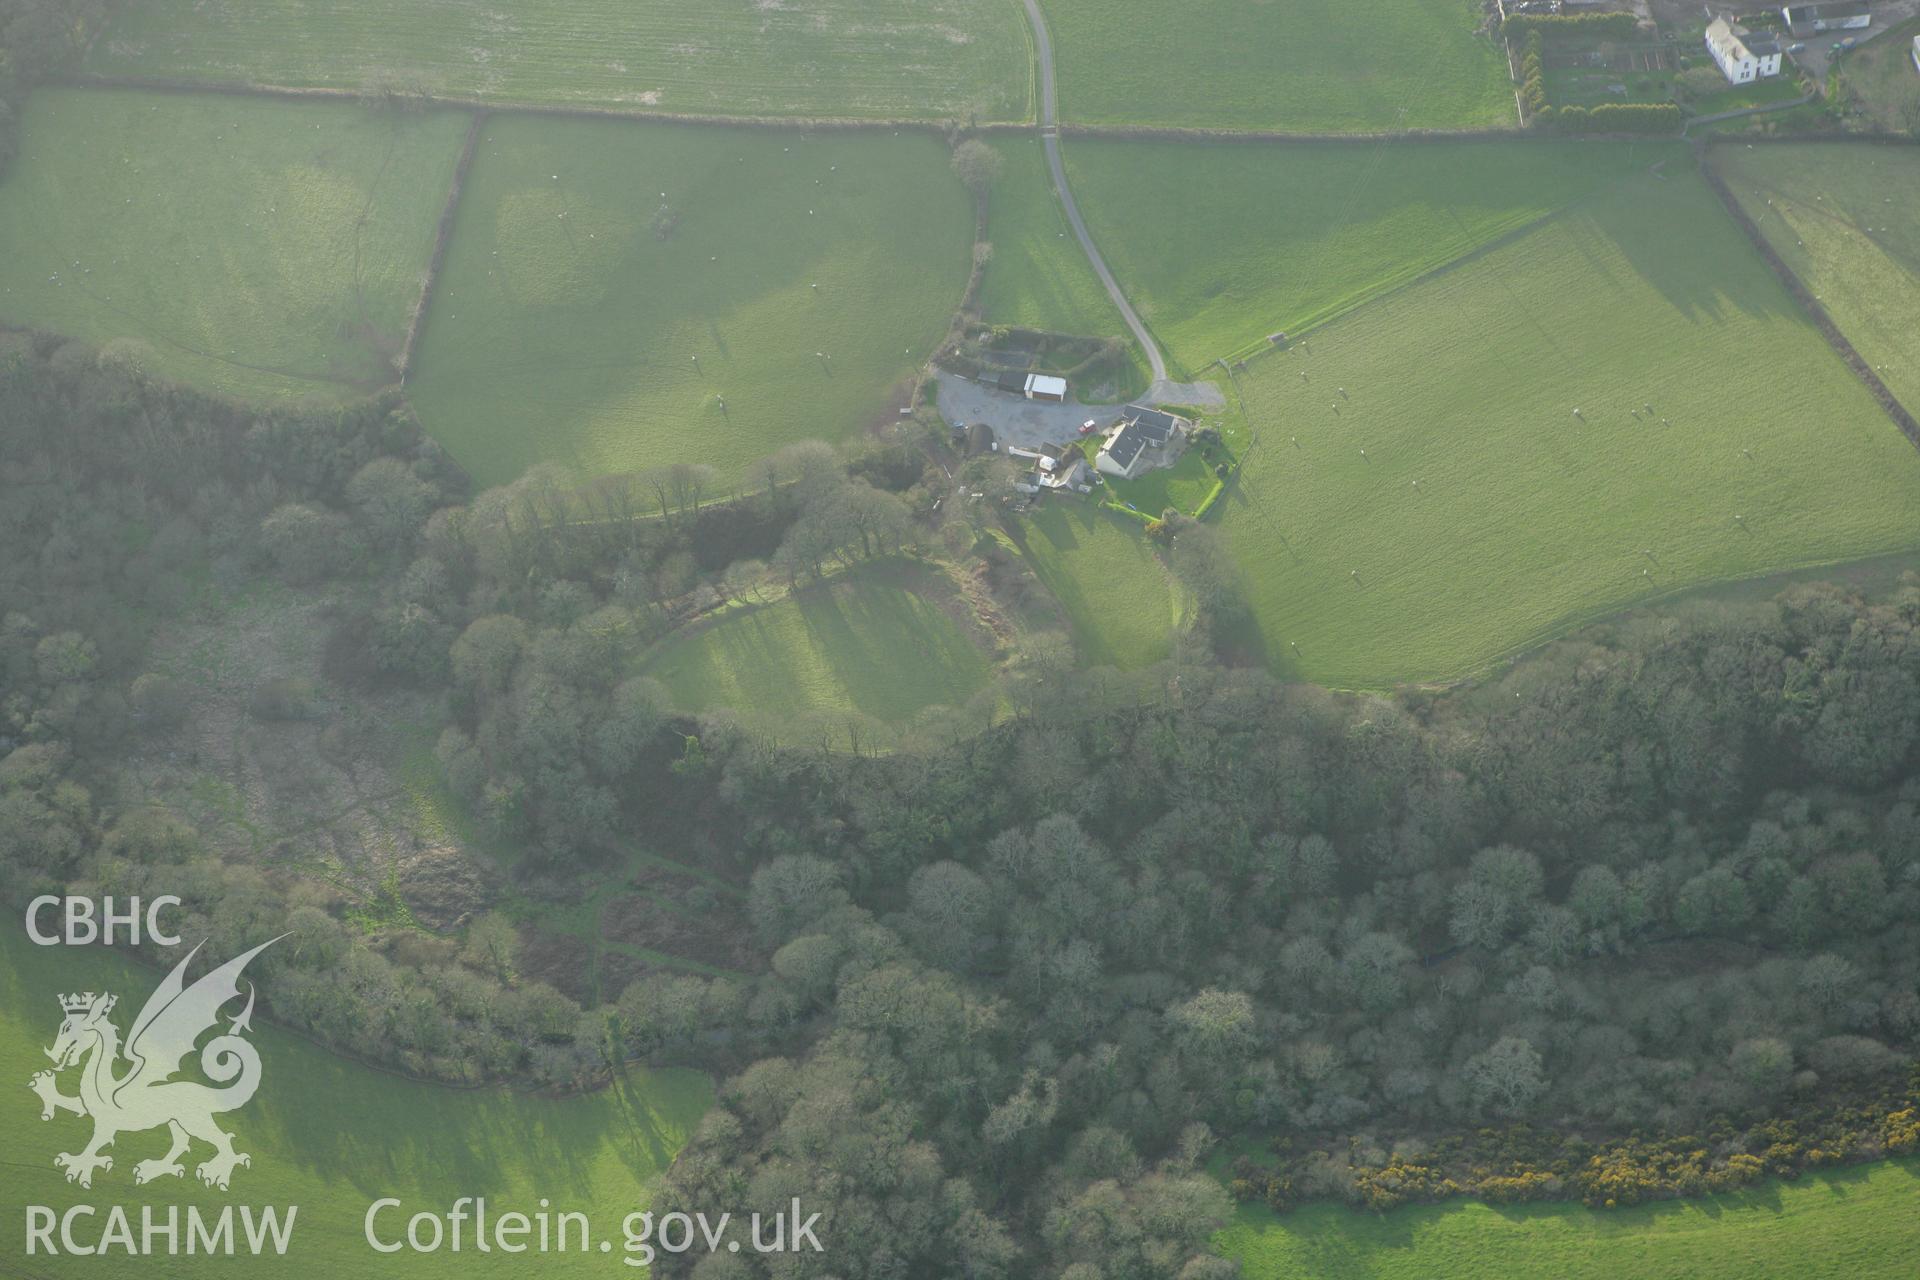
<point>1881,73</point>
<point>1039,278</point>
<point>880,639</point>
<point>259,249</point>
<point>1220,246</point>
<point>800,281</point>
<point>331,1136</point>
<point>1854,1225</point>
<point>1525,519</point>
<point>1102,569</point>
<point>1302,66</point>
<point>1183,486</point>
<point>891,59</point>
<point>1846,219</point>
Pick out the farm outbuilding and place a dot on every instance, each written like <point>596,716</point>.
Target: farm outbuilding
<point>1834,15</point>
<point>1034,386</point>
<point>1055,466</point>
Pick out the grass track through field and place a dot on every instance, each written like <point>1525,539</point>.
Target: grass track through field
<point>859,59</point>
<point>332,1136</point>
<point>266,250</point>
<point>1526,520</point>
<point>1857,1224</point>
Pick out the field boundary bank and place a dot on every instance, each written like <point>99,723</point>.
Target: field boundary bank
<point>442,237</point>
<point>1743,113</point>
<point>460,102</point>
<point>942,128</point>
<point>939,127</point>
<point>1836,339</point>
<point>1603,614</point>
<point>1257,348</point>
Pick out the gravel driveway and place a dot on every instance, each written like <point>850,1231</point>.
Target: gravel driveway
<point>1816,58</point>
<point>1016,419</point>
<point>1031,423</point>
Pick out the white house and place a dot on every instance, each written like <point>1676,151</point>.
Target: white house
<point>1144,440</point>
<point>1742,58</point>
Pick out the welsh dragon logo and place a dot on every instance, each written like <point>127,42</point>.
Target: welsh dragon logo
<point>145,1095</point>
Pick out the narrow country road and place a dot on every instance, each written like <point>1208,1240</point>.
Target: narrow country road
<point>1050,139</point>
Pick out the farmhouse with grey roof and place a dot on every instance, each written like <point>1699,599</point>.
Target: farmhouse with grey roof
<point>1146,438</point>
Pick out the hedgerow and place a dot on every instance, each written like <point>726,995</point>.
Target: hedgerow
<point>1523,1163</point>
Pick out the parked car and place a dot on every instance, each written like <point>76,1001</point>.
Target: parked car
<point>1088,427</point>
<point>1798,46</point>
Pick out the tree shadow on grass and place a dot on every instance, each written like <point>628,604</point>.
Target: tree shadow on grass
<point>890,647</point>
<point>349,1125</point>
<point>1680,240</point>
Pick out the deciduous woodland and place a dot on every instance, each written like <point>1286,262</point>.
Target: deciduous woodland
<point>1009,981</point>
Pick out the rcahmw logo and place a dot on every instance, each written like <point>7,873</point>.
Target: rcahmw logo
<point>129,1086</point>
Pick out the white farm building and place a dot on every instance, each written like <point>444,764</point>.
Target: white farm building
<point>1834,15</point>
<point>1742,58</point>
<point>1034,386</point>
